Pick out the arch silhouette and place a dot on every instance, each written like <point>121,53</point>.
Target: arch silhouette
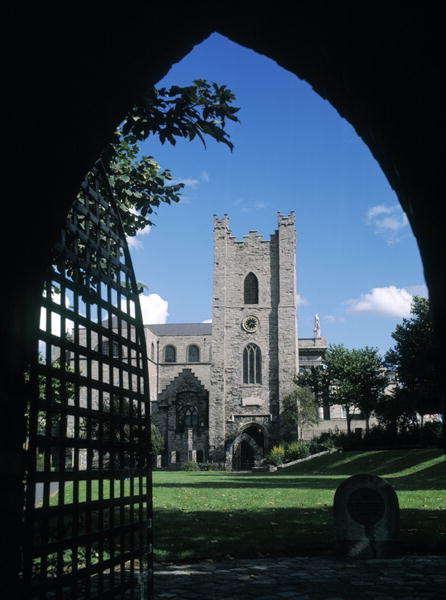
<point>363,61</point>
<point>243,436</point>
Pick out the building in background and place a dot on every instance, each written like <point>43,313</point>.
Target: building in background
<point>217,388</point>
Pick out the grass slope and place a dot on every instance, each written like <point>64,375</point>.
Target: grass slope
<point>200,515</point>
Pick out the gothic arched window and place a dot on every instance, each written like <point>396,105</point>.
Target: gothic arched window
<point>252,364</point>
<point>188,417</point>
<point>251,289</point>
<point>170,354</point>
<point>152,351</point>
<point>193,354</point>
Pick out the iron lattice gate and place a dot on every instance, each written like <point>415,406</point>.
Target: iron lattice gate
<point>88,487</point>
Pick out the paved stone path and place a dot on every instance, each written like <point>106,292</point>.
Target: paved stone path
<point>304,578</point>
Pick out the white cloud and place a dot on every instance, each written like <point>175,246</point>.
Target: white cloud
<point>153,308</point>
<point>387,221</point>
<point>251,206</point>
<point>379,209</point>
<point>301,300</point>
<point>390,300</point>
<point>193,181</point>
<point>331,319</point>
<point>207,321</point>
<point>134,241</point>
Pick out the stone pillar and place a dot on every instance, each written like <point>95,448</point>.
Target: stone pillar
<point>286,311</point>
<point>190,443</point>
<point>217,384</point>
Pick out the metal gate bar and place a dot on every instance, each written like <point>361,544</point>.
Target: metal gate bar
<point>88,486</point>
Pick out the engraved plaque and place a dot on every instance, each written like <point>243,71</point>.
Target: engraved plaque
<point>366,506</point>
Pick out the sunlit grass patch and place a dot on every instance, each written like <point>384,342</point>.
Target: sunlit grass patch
<point>215,514</point>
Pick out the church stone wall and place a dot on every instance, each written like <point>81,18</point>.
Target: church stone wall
<point>152,357</point>
<point>162,373</point>
<point>236,409</point>
<point>234,403</point>
<point>181,343</point>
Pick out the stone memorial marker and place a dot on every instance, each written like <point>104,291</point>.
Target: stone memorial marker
<point>366,517</point>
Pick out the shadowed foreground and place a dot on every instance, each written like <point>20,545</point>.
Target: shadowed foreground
<point>202,515</point>
<point>304,578</point>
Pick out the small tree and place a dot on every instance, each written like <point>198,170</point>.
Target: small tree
<point>355,379</point>
<point>156,440</point>
<point>341,390</point>
<point>397,412</point>
<point>414,361</point>
<point>300,410</point>
<point>369,380</point>
<point>317,378</point>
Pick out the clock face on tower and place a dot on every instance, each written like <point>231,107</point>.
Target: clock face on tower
<point>250,324</point>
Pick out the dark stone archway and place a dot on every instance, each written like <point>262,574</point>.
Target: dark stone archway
<point>72,75</point>
<point>247,449</point>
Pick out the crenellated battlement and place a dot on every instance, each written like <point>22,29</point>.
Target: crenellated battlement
<point>222,223</point>
<point>252,237</point>
<point>286,221</point>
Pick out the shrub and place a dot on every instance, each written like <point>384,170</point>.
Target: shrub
<point>191,465</point>
<point>432,433</point>
<point>316,447</point>
<point>276,455</point>
<point>328,440</point>
<point>212,466</point>
<point>297,450</point>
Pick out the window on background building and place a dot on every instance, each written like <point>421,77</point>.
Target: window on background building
<point>193,354</point>
<point>188,418</point>
<point>170,354</point>
<point>251,289</point>
<point>114,346</point>
<point>252,364</point>
<point>326,410</point>
<point>152,351</point>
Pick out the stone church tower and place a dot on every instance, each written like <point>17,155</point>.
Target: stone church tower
<point>254,339</point>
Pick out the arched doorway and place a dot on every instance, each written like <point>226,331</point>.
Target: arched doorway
<point>248,448</point>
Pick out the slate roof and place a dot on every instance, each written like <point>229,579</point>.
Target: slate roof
<point>312,343</point>
<point>181,329</point>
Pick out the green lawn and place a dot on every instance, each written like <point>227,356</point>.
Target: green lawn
<point>200,515</point>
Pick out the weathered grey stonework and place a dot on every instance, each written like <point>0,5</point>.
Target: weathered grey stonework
<point>187,440</point>
<point>247,357</point>
<point>235,404</point>
<point>234,412</point>
<point>244,393</point>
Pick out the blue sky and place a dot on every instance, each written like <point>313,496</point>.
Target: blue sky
<point>357,260</point>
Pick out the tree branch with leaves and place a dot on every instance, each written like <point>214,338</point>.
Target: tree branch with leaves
<point>201,110</point>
